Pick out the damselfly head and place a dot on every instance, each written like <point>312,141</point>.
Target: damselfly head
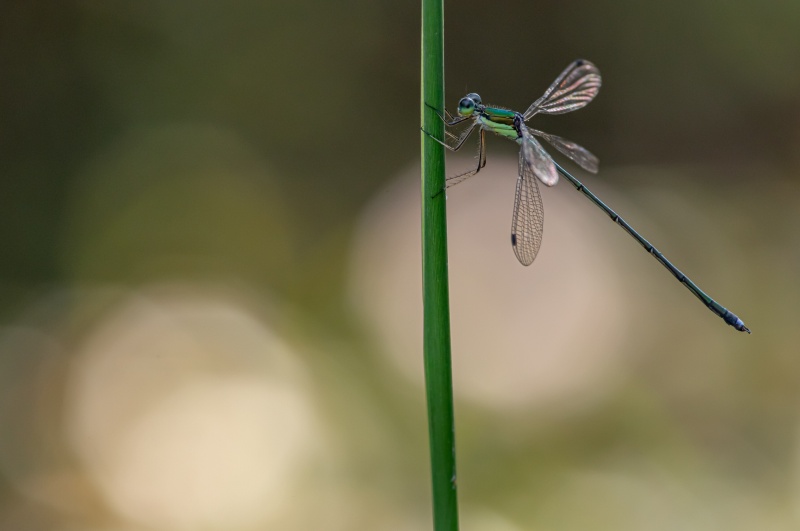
<point>467,104</point>
<point>474,97</point>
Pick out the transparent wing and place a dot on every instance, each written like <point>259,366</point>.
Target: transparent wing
<point>573,89</point>
<point>573,151</point>
<point>527,224</point>
<point>539,161</point>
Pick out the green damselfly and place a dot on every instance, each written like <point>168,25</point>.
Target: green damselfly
<point>577,85</point>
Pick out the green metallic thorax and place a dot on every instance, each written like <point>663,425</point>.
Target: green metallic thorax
<point>503,116</point>
<point>499,121</point>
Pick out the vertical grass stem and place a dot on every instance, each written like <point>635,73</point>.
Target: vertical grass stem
<point>435,289</point>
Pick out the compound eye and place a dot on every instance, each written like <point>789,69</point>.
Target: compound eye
<point>466,106</point>
<point>474,97</point>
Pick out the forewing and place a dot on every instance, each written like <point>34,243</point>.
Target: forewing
<point>573,151</point>
<point>527,224</point>
<point>540,162</point>
<point>572,90</point>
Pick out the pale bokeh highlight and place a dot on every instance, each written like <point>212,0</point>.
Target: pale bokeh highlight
<point>522,336</point>
<point>189,413</point>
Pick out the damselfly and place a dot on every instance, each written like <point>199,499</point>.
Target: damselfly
<point>572,90</point>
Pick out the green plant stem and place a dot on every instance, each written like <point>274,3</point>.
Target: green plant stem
<point>435,294</point>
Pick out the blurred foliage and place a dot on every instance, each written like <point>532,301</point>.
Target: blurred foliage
<point>239,143</point>
<point>685,82</point>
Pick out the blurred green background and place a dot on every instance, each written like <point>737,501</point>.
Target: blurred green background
<point>209,276</point>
